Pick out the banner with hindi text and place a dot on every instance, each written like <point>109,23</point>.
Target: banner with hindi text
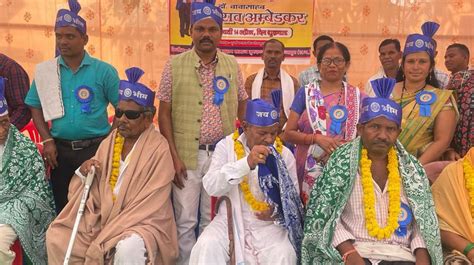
<point>248,24</point>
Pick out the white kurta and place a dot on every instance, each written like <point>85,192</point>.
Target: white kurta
<point>256,241</point>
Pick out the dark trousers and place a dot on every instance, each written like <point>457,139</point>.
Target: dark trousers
<point>68,161</point>
<point>367,262</point>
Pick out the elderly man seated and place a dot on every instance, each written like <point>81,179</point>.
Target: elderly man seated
<point>26,201</point>
<point>258,174</point>
<point>128,217</point>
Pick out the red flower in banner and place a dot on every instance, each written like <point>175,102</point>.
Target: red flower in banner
<point>90,14</point>
<point>128,9</point>
<point>110,31</point>
<point>322,112</point>
<point>150,47</point>
<point>345,30</point>
<point>91,49</point>
<point>366,11</point>
<point>153,84</point>
<point>385,31</point>
<point>30,53</point>
<point>458,4</point>
<point>48,32</point>
<point>146,8</point>
<point>327,13</point>
<point>364,49</point>
<point>9,38</point>
<point>415,7</point>
<point>129,50</point>
<point>8,2</point>
<point>27,16</point>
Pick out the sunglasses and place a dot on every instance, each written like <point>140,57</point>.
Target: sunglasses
<point>130,114</point>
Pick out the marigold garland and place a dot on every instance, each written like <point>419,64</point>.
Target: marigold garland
<point>371,223</point>
<point>239,150</point>
<point>118,146</point>
<point>469,176</point>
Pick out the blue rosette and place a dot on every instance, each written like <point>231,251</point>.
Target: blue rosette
<point>425,99</point>
<point>338,116</point>
<point>404,220</point>
<point>84,95</point>
<point>221,86</point>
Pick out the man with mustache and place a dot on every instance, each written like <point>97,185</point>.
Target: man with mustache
<point>272,77</point>
<point>72,92</point>
<point>128,217</point>
<point>390,54</point>
<point>201,94</point>
<point>373,204</point>
<point>26,201</point>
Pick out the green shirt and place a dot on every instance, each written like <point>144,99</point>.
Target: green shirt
<point>75,124</point>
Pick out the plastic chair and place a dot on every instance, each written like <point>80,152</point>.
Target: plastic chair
<point>33,133</point>
<point>16,247</point>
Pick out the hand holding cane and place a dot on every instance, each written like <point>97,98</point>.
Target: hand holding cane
<point>80,211</point>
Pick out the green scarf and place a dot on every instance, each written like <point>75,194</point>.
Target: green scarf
<point>331,193</point>
<point>26,200</point>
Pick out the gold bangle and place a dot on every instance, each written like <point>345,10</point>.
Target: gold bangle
<point>47,140</point>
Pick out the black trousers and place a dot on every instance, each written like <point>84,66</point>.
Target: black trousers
<point>68,161</point>
<point>367,262</point>
<point>184,19</point>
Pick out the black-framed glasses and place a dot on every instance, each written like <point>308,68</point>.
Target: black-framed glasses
<point>338,61</point>
<point>130,114</point>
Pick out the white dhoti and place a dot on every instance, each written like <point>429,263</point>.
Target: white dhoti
<point>130,251</point>
<point>7,238</point>
<point>265,243</point>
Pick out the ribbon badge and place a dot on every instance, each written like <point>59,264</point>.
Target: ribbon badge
<point>404,219</point>
<point>221,86</point>
<point>425,99</point>
<point>338,116</point>
<point>84,95</point>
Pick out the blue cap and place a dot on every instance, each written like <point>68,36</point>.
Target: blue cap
<point>422,43</point>
<point>132,90</point>
<point>261,113</point>
<point>381,105</point>
<point>206,10</point>
<point>66,18</point>
<point>3,101</point>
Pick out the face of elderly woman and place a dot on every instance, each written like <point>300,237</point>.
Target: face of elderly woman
<point>417,66</point>
<point>333,66</point>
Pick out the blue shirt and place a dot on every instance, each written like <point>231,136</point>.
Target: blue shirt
<point>103,79</point>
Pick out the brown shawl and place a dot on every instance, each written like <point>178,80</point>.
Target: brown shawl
<point>143,206</point>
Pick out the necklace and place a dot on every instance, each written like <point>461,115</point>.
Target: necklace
<point>239,150</point>
<point>118,146</point>
<point>469,177</point>
<point>369,201</point>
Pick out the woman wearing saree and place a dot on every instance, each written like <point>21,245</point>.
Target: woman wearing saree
<point>429,113</point>
<point>324,115</point>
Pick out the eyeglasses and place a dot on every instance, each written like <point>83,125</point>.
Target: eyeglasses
<point>338,61</point>
<point>130,114</point>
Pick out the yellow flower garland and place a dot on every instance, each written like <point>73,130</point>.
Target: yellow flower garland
<point>118,146</point>
<point>239,150</point>
<point>469,176</point>
<point>371,223</point>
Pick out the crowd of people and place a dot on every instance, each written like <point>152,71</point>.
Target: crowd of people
<point>311,170</point>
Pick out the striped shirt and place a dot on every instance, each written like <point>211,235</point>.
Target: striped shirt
<point>351,225</point>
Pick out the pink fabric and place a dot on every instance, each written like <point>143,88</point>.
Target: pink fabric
<point>351,224</point>
<point>350,101</point>
<point>211,121</point>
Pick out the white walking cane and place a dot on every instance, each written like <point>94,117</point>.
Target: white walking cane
<point>80,211</point>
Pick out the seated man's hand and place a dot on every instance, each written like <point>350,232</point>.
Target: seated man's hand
<point>258,155</point>
<point>265,215</point>
<point>87,165</point>
<point>451,155</point>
